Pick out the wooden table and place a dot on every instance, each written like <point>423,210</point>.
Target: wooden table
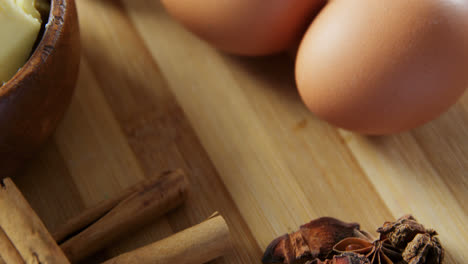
<point>152,97</point>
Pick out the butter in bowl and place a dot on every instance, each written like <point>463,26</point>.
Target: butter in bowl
<point>39,63</point>
<point>20,23</point>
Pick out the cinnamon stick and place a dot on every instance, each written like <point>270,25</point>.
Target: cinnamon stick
<point>151,199</point>
<point>23,231</point>
<point>196,245</point>
<point>91,215</point>
<point>8,252</point>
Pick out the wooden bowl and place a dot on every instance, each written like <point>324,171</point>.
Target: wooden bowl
<point>36,98</point>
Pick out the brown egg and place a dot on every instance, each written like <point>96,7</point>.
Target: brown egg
<point>246,27</point>
<point>379,67</point>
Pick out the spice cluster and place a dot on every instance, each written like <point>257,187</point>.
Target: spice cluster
<point>330,241</point>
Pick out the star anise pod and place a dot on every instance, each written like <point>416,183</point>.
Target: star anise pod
<point>345,258</point>
<point>378,251</point>
<point>402,231</point>
<point>424,248</point>
<point>313,240</point>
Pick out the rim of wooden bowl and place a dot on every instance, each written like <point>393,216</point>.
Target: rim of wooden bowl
<point>50,37</point>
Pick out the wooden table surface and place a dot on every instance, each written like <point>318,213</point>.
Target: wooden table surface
<point>152,97</point>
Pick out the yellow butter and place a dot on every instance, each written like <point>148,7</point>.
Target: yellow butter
<point>20,23</point>
<point>28,7</point>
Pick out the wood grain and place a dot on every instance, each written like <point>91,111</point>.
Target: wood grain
<point>152,97</point>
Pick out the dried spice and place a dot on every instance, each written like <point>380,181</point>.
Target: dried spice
<point>313,240</point>
<point>378,252</point>
<point>402,231</point>
<point>345,258</point>
<point>331,241</point>
<point>424,248</point>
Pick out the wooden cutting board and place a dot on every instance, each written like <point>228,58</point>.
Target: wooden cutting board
<point>152,97</point>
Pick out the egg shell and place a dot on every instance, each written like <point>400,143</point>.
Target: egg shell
<point>246,27</point>
<point>379,67</point>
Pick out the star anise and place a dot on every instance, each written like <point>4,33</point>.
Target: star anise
<point>313,240</point>
<point>378,251</point>
<point>424,248</point>
<point>419,245</point>
<point>402,231</point>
